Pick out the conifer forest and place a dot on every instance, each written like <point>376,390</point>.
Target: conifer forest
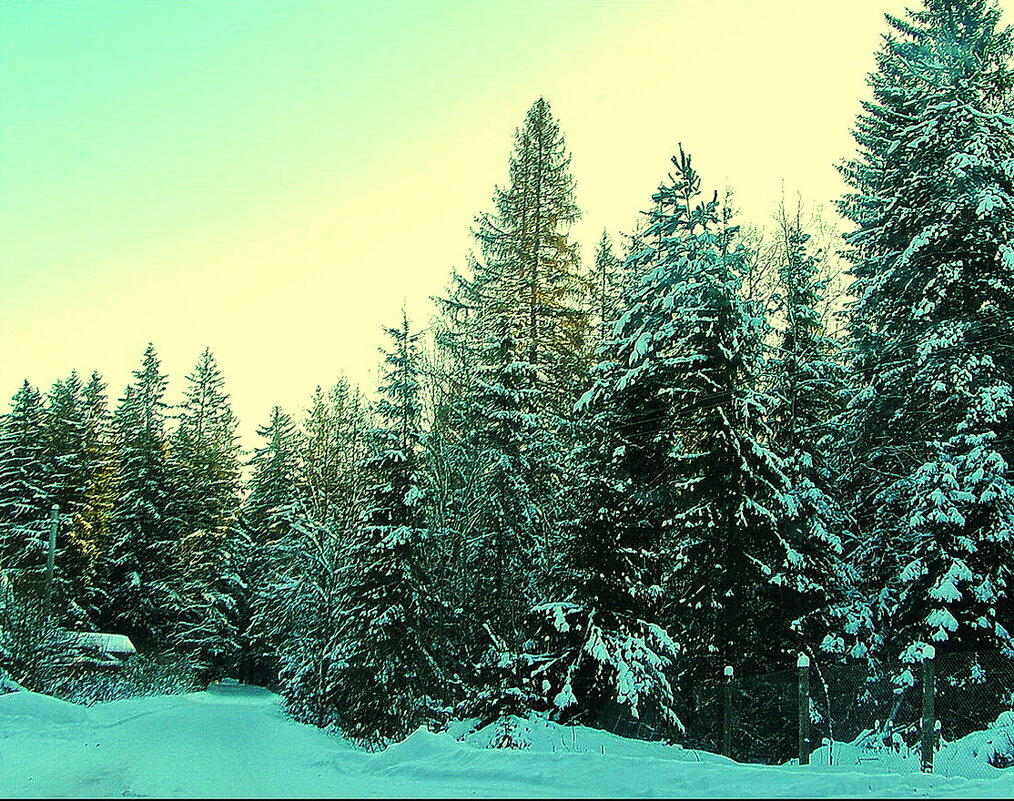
<point>597,474</point>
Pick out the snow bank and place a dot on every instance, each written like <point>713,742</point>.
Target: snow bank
<point>866,754</point>
<point>540,735</point>
<point>980,753</point>
<point>27,708</point>
<point>237,741</point>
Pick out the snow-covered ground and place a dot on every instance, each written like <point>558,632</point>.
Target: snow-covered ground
<point>236,741</point>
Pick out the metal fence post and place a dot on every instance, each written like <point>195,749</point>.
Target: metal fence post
<point>54,524</point>
<point>928,714</point>
<point>803,663</point>
<point>727,711</point>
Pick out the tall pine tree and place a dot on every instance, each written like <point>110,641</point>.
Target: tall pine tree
<point>99,464</point>
<point>385,666</point>
<point>205,460</point>
<point>67,433</point>
<point>933,261</point>
<point>206,453</point>
<point>529,269</point>
<point>139,571</point>
<point>608,283</point>
<point>750,559</point>
<point>269,512</point>
<point>25,487</point>
<point>513,332</point>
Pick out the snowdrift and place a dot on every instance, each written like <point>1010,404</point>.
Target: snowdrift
<point>237,742</point>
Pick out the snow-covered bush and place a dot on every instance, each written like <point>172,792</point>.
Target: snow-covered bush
<point>35,653</point>
<point>145,674</point>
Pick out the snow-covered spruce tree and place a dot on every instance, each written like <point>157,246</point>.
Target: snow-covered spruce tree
<point>271,508</point>
<point>683,492</point>
<point>933,358</point>
<point>600,655</point>
<point>604,653</point>
<point>520,313</point>
<point>384,672</point>
<point>25,482</point>
<point>206,454</point>
<point>100,460</point>
<point>73,473</point>
<point>510,533</point>
<point>138,571</point>
<point>302,603</point>
<point>754,551</point>
<point>65,426</point>
<point>205,460</point>
<point>806,380</point>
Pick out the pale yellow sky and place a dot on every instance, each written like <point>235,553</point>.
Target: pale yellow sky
<point>275,184</point>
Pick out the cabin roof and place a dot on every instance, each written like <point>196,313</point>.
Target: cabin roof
<point>110,643</point>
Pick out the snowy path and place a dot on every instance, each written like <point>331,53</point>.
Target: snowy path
<point>237,742</point>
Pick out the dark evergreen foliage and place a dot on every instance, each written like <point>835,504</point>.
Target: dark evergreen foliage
<point>138,574</point>
<point>205,461</point>
<point>25,486</point>
<point>74,473</point>
<point>269,512</point>
<point>384,667</point>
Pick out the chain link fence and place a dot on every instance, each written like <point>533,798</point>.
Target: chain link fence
<point>910,711</point>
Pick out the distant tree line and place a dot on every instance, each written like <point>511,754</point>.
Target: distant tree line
<point>589,484</point>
